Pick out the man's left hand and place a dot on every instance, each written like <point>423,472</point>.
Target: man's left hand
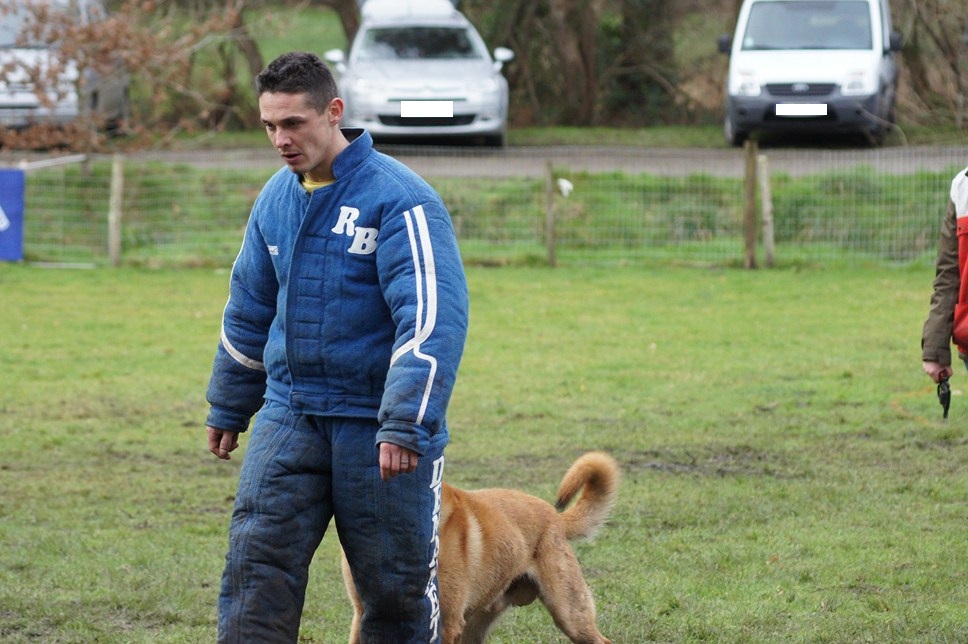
<point>396,460</point>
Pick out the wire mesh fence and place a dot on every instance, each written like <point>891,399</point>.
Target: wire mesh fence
<point>522,205</point>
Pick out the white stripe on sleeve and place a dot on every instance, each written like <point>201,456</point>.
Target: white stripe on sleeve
<point>425,282</point>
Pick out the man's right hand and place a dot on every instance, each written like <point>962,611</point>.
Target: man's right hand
<point>936,371</point>
<point>221,442</point>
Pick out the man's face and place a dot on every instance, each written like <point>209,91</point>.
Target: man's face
<point>307,140</point>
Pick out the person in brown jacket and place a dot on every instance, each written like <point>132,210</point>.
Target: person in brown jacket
<point>947,321</point>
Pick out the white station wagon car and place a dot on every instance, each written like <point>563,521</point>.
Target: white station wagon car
<point>419,69</point>
<point>59,100</point>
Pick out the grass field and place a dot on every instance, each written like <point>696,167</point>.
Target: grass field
<point>787,474</point>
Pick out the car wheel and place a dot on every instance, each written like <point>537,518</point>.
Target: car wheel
<point>118,122</point>
<point>495,140</point>
<point>734,136</point>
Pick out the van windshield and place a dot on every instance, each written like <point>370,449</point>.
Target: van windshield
<point>808,24</point>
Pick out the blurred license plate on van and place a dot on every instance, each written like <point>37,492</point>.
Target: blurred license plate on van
<point>801,109</point>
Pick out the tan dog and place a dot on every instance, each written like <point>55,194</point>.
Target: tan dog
<point>502,548</point>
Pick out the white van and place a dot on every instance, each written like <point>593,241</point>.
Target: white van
<point>821,66</point>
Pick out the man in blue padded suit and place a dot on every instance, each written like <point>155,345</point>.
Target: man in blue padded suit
<point>344,328</point>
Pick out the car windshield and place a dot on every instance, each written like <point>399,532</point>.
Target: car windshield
<point>19,22</point>
<point>808,24</point>
<point>12,22</point>
<point>417,43</point>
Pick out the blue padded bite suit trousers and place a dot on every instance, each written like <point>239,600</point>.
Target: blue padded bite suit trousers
<point>298,473</point>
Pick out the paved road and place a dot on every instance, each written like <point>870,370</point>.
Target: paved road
<point>684,162</point>
<point>533,161</point>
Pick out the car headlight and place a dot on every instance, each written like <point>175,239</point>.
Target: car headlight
<point>363,85</point>
<point>858,82</point>
<point>486,85</point>
<point>746,84</point>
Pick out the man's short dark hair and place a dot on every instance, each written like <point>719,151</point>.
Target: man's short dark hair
<point>299,72</point>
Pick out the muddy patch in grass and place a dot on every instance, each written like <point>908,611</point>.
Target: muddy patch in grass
<point>714,461</point>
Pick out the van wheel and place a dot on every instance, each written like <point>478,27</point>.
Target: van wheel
<point>734,136</point>
<point>876,136</point>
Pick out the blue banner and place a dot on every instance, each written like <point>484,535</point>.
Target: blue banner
<point>11,215</point>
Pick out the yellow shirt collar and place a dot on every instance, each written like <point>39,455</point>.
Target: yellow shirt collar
<point>311,185</point>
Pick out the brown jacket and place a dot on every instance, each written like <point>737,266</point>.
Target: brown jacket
<point>951,272</point>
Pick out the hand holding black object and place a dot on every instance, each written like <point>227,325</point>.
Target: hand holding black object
<point>944,395</point>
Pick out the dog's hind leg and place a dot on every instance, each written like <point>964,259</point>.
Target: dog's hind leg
<point>477,628</point>
<point>480,622</point>
<point>454,632</point>
<point>354,599</point>
<point>566,595</point>
<point>521,592</point>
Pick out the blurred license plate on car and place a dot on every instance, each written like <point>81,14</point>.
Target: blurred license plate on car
<point>427,109</point>
<point>801,109</point>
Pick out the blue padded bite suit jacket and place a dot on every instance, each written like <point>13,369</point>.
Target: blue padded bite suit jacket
<point>347,302</point>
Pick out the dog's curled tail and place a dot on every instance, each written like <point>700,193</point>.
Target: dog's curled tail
<point>594,479</point>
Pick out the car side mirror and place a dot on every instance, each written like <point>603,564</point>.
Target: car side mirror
<point>336,58</point>
<point>502,55</point>
<point>725,43</point>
